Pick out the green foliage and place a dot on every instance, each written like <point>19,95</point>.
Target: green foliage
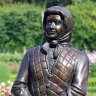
<point>21,26</point>
<point>46,3</point>
<point>2,2</point>
<point>19,29</point>
<point>80,1</point>
<point>9,65</point>
<point>84,25</point>
<point>92,71</point>
<point>91,94</point>
<point>4,72</point>
<point>50,3</point>
<point>92,79</point>
<point>8,57</point>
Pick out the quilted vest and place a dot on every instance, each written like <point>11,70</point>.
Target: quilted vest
<point>51,78</point>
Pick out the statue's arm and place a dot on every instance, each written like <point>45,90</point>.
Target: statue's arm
<point>20,86</point>
<point>80,78</point>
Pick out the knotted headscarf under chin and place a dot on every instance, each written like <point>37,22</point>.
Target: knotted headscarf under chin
<point>46,45</point>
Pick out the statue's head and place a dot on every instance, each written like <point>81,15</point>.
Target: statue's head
<point>57,24</point>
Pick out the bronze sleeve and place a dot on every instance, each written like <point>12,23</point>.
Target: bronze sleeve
<point>20,86</point>
<point>80,78</point>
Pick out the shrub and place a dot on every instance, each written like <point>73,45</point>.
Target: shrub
<point>13,58</point>
<point>23,29</point>
<point>19,29</point>
<point>84,25</point>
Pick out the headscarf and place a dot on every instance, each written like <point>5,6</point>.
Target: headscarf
<point>67,20</point>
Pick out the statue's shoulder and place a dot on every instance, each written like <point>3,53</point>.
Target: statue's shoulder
<point>82,56</point>
<point>79,52</point>
<point>32,50</point>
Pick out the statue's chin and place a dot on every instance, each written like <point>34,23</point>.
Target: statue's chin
<point>52,36</point>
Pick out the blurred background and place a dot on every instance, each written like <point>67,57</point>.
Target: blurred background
<point>21,29</point>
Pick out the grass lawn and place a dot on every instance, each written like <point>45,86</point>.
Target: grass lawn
<point>9,64</point>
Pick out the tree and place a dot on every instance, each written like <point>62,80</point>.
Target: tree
<point>58,2</point>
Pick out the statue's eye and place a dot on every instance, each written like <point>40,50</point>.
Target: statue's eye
<point>57,22</point>
<point>49,22</point>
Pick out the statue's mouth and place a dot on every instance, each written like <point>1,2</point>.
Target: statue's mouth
<point>52,31</point>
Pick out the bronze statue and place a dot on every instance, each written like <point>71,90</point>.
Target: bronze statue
<point>53,68</point>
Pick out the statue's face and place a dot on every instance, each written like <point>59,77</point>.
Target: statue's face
<point>54,26</point>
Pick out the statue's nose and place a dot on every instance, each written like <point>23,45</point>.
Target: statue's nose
<point>53,25</point>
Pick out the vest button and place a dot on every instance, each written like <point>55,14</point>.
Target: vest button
<point>47,85</point>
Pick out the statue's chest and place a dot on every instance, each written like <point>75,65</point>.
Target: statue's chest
<point>65,64</point>
<point>45,66</point>
<point>49,75</point>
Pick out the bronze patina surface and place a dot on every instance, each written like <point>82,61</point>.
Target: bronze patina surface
<point>54,68</point>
